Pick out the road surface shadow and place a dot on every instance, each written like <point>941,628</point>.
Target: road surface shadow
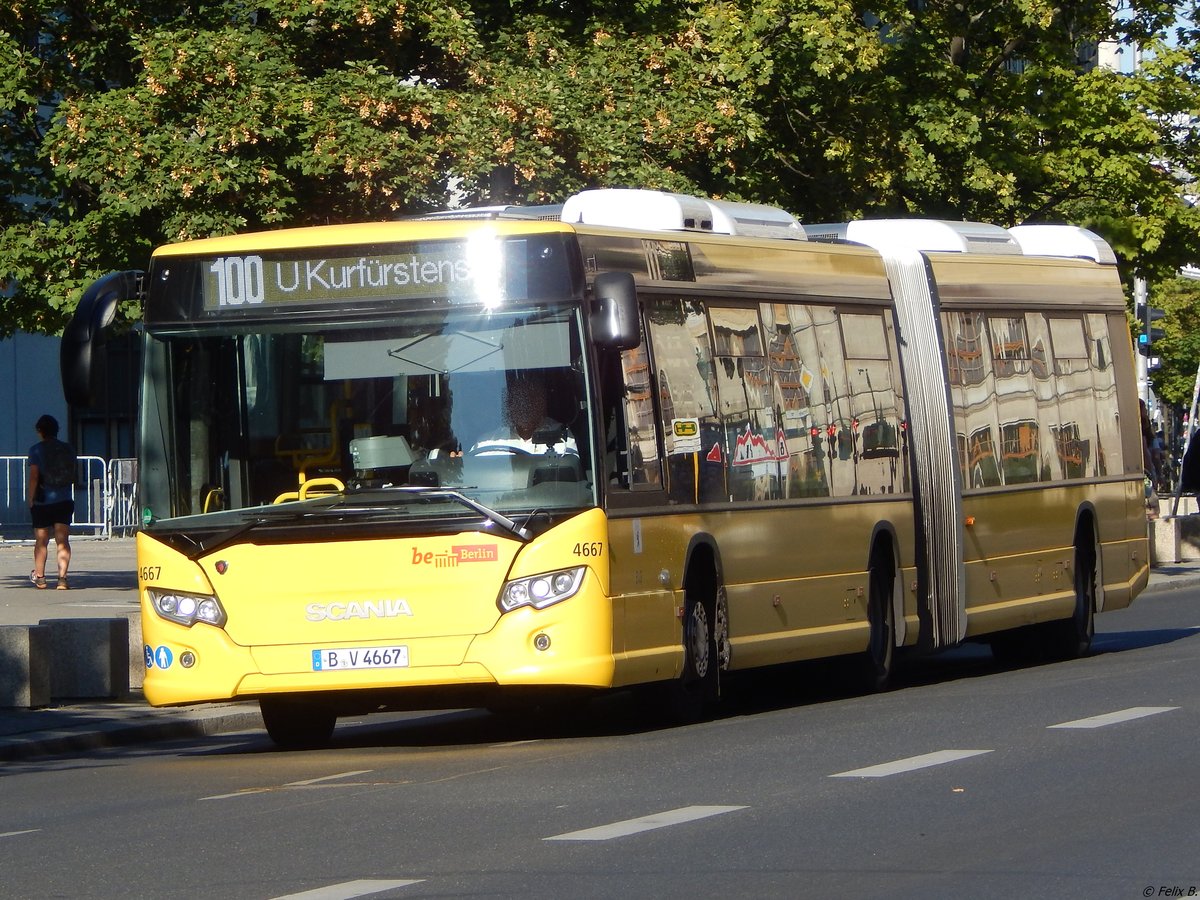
<point>626,712</point>
<point>80,580</point>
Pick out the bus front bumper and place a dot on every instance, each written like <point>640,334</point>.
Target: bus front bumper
<point>567,645</point>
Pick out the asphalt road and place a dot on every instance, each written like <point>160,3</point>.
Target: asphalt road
<point>1077,779</point>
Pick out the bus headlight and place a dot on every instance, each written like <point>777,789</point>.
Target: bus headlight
<point>187,609</point>
<point>540,591</point>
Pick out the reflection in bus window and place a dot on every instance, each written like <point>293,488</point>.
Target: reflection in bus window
<point>1039,345</point>
<point>981,465</point>
<point>1109,456</point>
<point>1016,400</point>
<point>1019,453</point>
<point>799,402</point>
<point>1010,346</point>
<point>688,401</point>
<point>1070,345</point>
<point>1054,398</point>
<point>755,452</point>
<point>796,360</point>
<point>1045,390</point>
<point>1073,451</point>
<point>642,464</point>
<point>874,404</point>
<point>964,347</point>
<point>972,395</point>
<point>1075,433</point>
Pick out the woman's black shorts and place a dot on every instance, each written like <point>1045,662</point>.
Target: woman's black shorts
<point>47,515</point>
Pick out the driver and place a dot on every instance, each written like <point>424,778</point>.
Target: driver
<point>525,407</point>
<point>527,426</point>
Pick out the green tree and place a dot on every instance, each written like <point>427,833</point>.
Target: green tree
<point>133,124</point>
<point>986,111</point>
<point>1179,348</point>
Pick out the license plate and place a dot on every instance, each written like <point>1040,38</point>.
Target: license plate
<point>360,658</point>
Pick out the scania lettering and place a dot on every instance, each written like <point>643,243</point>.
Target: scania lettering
<point>366,609</point>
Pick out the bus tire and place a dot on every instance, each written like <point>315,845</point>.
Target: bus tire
<point>721,640</point>
<point>1071,638</point>
<point>699,646</point>
<point>296,723</point>
<point>874,666</point>
<point>691,696</point>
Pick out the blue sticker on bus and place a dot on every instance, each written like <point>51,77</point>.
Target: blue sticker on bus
<point>163,656</point>
<point>149,656</point>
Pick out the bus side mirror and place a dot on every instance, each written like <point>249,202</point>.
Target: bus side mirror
<point>615,313</point>
<point>82,347</point>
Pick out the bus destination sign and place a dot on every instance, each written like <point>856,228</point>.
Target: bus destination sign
<point>248,281</point>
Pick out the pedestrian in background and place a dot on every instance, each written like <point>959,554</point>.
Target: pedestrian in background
<point>51,504</point>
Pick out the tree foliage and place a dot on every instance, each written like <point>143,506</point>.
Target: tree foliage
<point>1179,348</point>
<point>130,124</point>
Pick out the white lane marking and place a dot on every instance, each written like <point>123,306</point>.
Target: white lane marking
<point>349,889</point>
<point>15,833</point>
<point>645,823</point>
<point>328,778</point>
<point>910,764</point>
<point>246,793</point>
<point>322,782</point>
<point>1115,718</point>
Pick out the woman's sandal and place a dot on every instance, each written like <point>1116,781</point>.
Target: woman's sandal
<point>39,581</point>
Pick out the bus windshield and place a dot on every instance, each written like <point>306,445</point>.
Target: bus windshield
<point>490,405</point>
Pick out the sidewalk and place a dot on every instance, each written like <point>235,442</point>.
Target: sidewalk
<point>104,585</point>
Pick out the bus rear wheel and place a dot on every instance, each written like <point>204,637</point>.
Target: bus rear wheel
<point>1071,638</point>
<point>296,723</point>
<point>874,668</point>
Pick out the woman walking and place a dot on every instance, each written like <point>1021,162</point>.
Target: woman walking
<point>51,505</point>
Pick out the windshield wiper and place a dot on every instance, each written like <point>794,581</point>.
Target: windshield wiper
<point>486,511</point>
<point>223,538</point>
<point>230,535</point>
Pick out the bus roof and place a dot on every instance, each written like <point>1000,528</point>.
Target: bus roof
<point>668,213</point>
<point>355,234</point>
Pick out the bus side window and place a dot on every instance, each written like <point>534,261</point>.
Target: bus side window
<point>630,437</point>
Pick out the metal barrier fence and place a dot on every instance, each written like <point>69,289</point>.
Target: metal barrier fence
<point>105,493</point>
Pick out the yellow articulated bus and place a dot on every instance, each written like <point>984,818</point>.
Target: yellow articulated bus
<point>638,438</point>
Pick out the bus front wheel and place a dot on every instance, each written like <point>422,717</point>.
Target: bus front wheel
<point>690,696</point>
<point>699,647</point>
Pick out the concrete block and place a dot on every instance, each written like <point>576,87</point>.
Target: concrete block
<point>137,655</point>
<point>1189,536</point>
<point>1164,541</point>
<point>24,666</point>
<point>1186,506</point>
<point>90,657</point>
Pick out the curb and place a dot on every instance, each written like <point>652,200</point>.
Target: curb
<point>97,731</point>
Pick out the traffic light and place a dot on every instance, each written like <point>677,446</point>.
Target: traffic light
<point>1147,315</point>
